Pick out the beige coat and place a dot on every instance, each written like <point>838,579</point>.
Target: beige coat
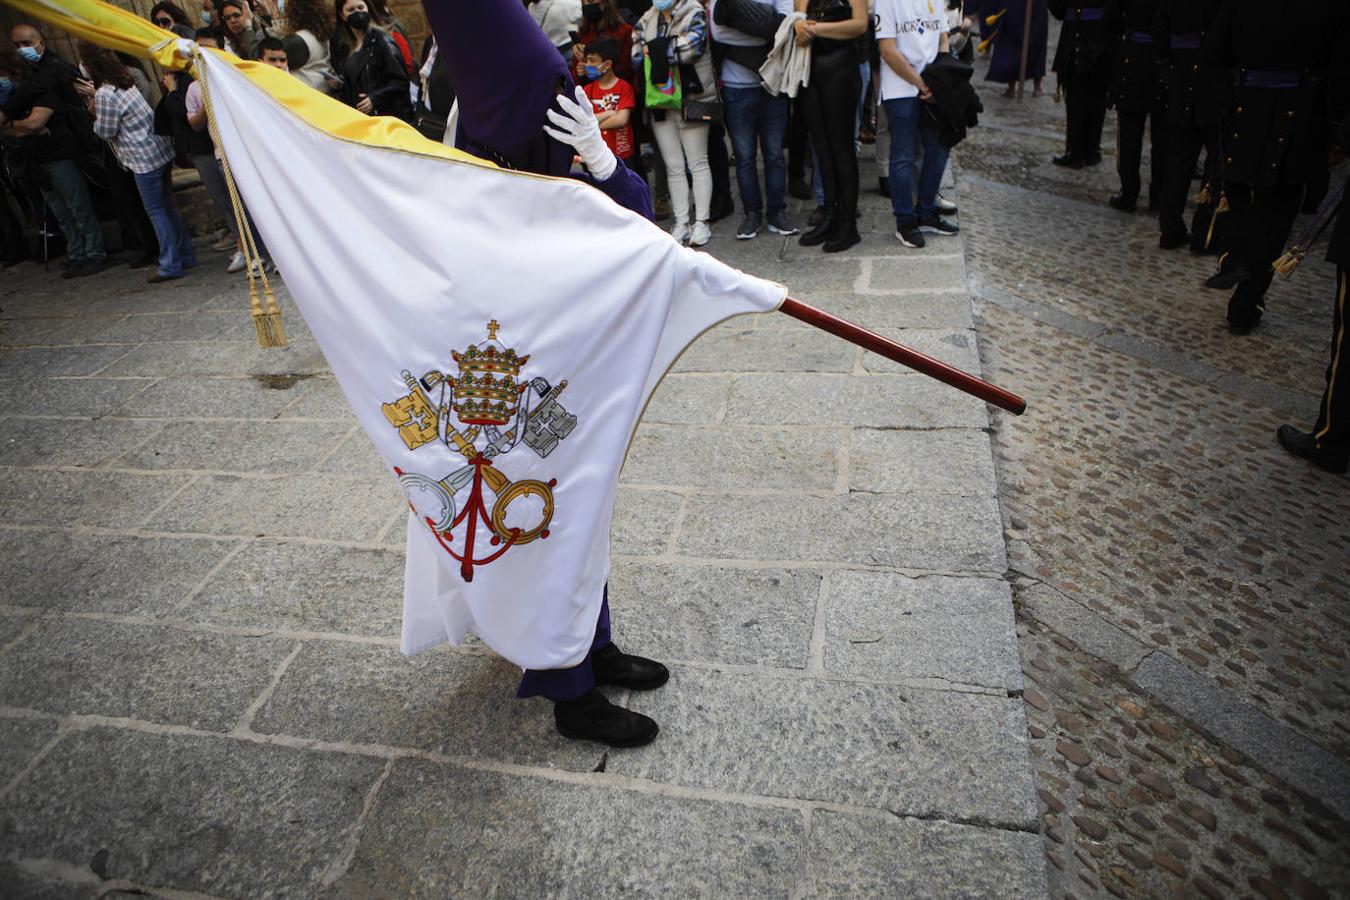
<point>689,38</point>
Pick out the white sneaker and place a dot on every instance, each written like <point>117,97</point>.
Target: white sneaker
<point>680,232</point>
<point>700,235</point>
<point>236,262</point>
<point>258,267</point>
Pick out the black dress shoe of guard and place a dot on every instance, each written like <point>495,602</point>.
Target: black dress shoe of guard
<point>1123,202</point>
<point>1093,158</point>
<point>1303,445</point>
<point>1228,277</point>
<point>1173,240</point>
<point>1068,161</point>
<point>1243,321</point>
<point>591,717</point>
<point>819,234</point>
<point>637,673</point>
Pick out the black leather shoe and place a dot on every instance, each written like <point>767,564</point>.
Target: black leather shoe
<point>839,244</point>
<point>613,666</point>
<point>818,215</point>
<point>818,235</point>
<point>591,717</point>
<point>1228,277</point>
<point>797,187</point>
<point>1303,445</point>
<point>1123,203</point>
<point>1068,161</point>
<point>1173,241</point>
<point>1243,320</point>
<point>1093,158</point>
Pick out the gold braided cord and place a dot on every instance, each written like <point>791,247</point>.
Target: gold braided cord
<point>266,316</point>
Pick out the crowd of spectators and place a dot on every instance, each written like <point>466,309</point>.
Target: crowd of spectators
<point>94,138</point>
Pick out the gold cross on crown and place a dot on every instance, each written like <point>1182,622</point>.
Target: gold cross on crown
<point>492,330</point>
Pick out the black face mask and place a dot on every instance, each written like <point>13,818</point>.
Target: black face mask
<point>592,12</point>
<point>359,21</point>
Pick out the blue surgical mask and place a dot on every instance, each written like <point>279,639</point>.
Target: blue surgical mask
<point>592,72</point>
<point>206,17</point>
<point>30,54</point>
<point>663,5</point>
<point>281,7</point>
<point>6,86</point>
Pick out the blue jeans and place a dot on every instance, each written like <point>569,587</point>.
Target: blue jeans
<point>67,193</point>
<point>907,121</point>
<point>175,244</point>
<point>755,116</point>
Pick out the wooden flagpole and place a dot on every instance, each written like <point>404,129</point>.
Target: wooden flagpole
<point>883,346</point>
<point>1026,51</point>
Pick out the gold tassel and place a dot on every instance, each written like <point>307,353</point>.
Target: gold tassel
<point>993,20</point>
<point>983,46</point>
<point>276,331</point>
<point>1203,197</point>
<point>1222,207</point>
<point>1286,264</point>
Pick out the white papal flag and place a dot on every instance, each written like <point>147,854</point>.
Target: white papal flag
<point>497,334</point>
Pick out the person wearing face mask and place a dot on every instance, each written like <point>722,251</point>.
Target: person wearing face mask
<point>373,78</point>
<point>13,247</point>
<point>47,119</point>
<point>601,19</point>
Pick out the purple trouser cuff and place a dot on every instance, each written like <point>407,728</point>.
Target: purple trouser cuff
<point>568,684</point>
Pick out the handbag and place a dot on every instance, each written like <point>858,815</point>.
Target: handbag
<point>666,95</point>
<point>703,111</point>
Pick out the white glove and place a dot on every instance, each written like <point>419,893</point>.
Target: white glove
<point>580,130</point>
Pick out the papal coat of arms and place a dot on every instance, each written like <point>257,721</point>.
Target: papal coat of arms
<point>501,410</point>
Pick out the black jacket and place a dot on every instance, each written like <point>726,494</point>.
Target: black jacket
<point>1084,43</point>
<point>1338,246</point>
<point>376,70</point>
<point>171,121</point>
<point>1197,94</point>
<point>955,105</point>
<point>1275,135</point>
<point>1134,77</point>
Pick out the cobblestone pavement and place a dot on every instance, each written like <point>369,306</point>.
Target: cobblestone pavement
<point>200,688</point>
<point>1180,582</point>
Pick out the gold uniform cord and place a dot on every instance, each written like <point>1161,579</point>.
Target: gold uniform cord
<point>266,314</point>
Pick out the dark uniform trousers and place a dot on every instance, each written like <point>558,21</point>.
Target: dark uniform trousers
<point>1332,431</point>
<point>1130,149</point>
<point>1261,219</point>
<point>1184,143</point>
<point>1083,60</point>
<point>1137,94</point>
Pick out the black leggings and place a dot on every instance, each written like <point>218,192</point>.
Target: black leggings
<point>831,102</point>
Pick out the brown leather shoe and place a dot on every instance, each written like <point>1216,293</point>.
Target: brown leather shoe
<point>158,277</point>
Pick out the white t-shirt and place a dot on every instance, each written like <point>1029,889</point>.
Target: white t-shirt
<point>917,27</point>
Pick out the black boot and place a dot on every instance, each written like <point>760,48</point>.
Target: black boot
<point>843,237</point>
<point>1303,445</point>
<point>591,717</point>
<point>820,233</point>
<point>1068,161</point>
<point>613,666</point>
<point>1123,202</point>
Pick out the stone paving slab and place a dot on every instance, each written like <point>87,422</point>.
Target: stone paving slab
<point>692,399</point>
<point>292,586</point>
<point>72,361</point>
<point>265,448</point>
<point>221,817</point>
<point>67,442</point>
<point>216,358</point>
<point>715,614</point>
<point>921,462</point>
<point>494,835</point>
<point>89,498</point>
<point>318,506</point>
<point>766,459</point>
<point>856,857</point>
<point>942,533</point>
<point>894,401</point>
<point>192,397</point>
<point>102,573</point>
<point>457,703</point>
<point>911,751</point>
<point>734,348</point>
<point>20,741</point>
<point>644,521</point>
<point>885,627</point>
<point>28,395</point>
<point>159,674</point>
<point>948,307</point>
